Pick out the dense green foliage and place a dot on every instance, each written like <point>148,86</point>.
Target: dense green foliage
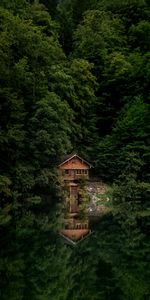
<point>74,75</point>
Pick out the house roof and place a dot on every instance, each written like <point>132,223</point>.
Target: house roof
<point>72,155</point>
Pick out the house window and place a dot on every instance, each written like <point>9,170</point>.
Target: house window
<point>78,171</point>
<point>84,171</point>
<point>66,171</point>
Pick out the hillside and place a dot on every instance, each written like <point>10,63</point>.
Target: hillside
<point>74,76</point>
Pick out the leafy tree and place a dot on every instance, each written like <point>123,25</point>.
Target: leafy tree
<point>98,34</point>
<point>70,14</point>
<point>83,102</point>
<point>29,185</point>
<point>129,202</point>
<point>140,36</point>
<point>130,11</point>
<point>133,134</point>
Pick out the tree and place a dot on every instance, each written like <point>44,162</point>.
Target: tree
<point>30,124</point>
<point>129,203</point>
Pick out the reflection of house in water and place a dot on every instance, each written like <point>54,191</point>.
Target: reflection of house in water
<point>74,168</point>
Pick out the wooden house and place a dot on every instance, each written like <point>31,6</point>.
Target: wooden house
<point>73,168</point>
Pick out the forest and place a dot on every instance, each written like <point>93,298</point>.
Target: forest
<point>74,75</point>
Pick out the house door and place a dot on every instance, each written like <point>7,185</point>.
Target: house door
<point>74,191</point>
<point>72,173</point>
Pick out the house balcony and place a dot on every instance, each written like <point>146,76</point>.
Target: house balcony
<point>75,224</point>
<point>75,177</point>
